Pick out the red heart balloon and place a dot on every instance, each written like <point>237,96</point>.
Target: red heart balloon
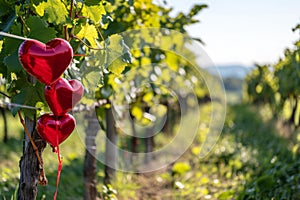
<point>54,129</point>
<point>46,62</point>
<point>63,95</point>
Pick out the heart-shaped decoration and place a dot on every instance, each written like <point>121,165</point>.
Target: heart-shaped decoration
<point>54,129</point>
<point>46,62</point>
<point>63,95</point>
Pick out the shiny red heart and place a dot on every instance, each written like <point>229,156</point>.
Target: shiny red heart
<point>63,95</point>
<point>46,62</point>
<point>54,129</point>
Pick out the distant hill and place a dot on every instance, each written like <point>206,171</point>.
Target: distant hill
<point>233,77</point>
<point>233,71</point>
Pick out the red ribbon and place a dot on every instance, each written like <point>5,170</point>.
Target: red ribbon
<point>59,167</point>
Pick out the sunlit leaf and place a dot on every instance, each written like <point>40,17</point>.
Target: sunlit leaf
<point>89,32</point>
<point>115,54</point>
<point>54,10</point>
<point>137,112</point>
<point>172,61</point>
<point>181,168</point>
<point>226,195</point>
<point>148,97</point>
<point>94,12</point>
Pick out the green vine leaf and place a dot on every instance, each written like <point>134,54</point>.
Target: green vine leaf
<point>5,7</point>
<point>91,73</point>
<point>39,29</point>
<point>12,62</point>
<point>22,98</point>
<point>9,53</point>
<point>101,116</point>
<point>11,45</point>
<point>92,2</point>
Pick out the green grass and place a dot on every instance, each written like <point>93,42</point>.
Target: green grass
<point>234,97</point>
<point>250,161</point>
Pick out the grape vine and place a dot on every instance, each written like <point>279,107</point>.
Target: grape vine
<point>278,85</point>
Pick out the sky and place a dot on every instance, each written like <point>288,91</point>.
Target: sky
<point>244,32</point>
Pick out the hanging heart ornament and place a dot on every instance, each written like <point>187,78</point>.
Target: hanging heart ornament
<point>55,129</point>
<point>63,95</point>
<point>46,62</point>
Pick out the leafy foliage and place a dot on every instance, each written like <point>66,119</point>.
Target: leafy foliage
<point>260,85</point>
<point>277,85</point>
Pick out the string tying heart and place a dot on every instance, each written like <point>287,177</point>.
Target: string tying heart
<point>55,130</point>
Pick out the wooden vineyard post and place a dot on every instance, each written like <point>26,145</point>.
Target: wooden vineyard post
<point>110,148</point>
<point>149,144</point>
<point>30,168</point>
<point>90,190</point>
